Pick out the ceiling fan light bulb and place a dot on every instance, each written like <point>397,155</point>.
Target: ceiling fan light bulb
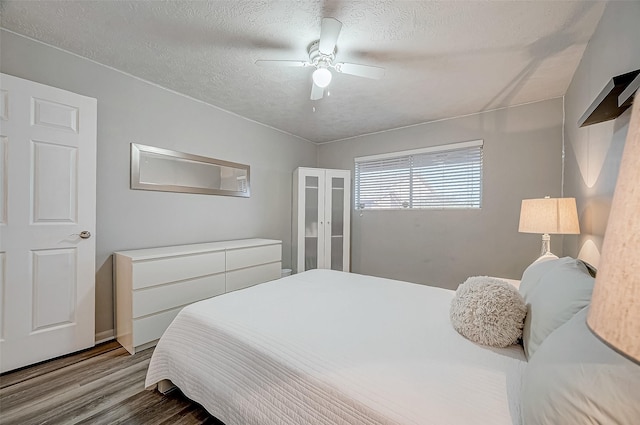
<point>321,77</point>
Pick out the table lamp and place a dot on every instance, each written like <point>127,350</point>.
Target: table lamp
<point>549,216</point>
<point>614,315</point>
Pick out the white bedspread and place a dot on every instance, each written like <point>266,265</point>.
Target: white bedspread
<point>326,347</point>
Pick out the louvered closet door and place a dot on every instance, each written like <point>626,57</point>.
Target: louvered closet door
<point>47,196</point>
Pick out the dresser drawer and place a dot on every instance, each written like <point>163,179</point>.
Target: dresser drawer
<point>150,328</point>
<point>151,300</point>
<point>243,278</point>
<point>155,272</point>
<point>247,257</point>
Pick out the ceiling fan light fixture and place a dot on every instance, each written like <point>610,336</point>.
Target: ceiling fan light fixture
<point>321,77</point>
<point>322,53</point>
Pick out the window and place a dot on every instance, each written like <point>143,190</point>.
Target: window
<point>448,176</point>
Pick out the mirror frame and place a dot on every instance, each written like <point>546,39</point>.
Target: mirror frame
<point>137,149</point>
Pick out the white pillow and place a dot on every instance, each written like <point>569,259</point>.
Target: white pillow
<point>562,291</point>
<point>576,379</point>
<point>488,311</point>
<point>536,270</point>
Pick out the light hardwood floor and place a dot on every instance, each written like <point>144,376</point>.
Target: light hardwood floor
<point>102,385</point>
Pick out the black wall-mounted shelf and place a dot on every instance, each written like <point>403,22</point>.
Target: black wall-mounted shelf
<point>607,105</point>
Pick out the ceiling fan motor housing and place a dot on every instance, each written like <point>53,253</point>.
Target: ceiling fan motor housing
<point>318,59</point>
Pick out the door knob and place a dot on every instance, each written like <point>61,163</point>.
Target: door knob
<point>85,234</point>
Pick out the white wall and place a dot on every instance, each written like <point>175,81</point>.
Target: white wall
<point>131,110</point>
<point>594,152</point>
<point>522,159</point>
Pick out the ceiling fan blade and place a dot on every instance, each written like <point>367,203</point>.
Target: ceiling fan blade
<point>317,92</point>
<point>282,63</point>
<point>366,71</point>
<point>329,33</point>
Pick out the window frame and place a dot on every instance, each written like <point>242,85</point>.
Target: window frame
<point>408,153</point>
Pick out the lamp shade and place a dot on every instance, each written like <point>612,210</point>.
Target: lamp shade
<point>614,314</point>
<point>549,215</point>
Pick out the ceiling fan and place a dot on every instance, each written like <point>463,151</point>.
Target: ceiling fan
<point>322,55</point>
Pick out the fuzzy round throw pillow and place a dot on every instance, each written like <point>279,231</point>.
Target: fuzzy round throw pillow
<point>488,311</point>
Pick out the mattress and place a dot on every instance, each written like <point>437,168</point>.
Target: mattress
<point>328,347</point>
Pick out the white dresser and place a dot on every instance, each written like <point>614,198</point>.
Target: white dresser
<point>153,285</point>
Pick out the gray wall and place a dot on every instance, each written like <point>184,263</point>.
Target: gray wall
<point>131,110</point>
<point>522,159</point>
<point>593,153</point>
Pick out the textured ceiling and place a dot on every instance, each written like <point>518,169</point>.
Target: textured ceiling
<point>442,59</point>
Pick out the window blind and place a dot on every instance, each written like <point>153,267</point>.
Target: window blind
<point>448,176</point>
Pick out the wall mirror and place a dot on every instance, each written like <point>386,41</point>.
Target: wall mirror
<point>171,171</point>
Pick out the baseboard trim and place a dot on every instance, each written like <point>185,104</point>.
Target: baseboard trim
<point>105,336</point>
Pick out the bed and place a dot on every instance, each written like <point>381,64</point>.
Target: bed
<point>328,347</point>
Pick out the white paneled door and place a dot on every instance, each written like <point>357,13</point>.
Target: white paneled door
<point>47,222</point>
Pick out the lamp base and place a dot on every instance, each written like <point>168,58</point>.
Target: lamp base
<point>546,257</point>
<point>545,251</point>
<point>546,245</point>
